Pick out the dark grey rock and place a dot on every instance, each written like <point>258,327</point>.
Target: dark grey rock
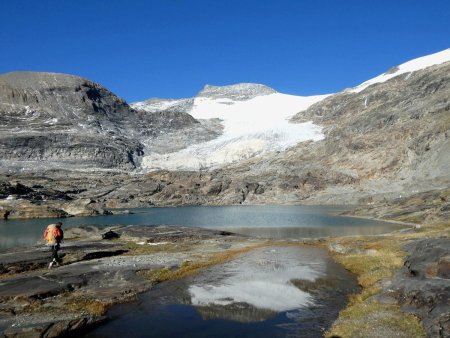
<point>422,287</point>
<point>110,235</point>
<point>55,328</point>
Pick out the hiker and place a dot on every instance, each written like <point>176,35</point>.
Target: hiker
<point>53,235</point>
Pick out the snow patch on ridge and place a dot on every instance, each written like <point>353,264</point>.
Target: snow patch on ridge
<point>407,67</point>
<point>251,128</point>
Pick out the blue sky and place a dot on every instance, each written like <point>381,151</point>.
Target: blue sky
<point>172,48</point>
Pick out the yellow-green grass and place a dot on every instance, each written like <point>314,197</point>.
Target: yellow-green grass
<point>372,319</point>
<point>372,259</point>
<point>86,305</point>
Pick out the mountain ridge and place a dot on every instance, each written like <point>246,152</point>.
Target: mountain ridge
<point>387,141</point>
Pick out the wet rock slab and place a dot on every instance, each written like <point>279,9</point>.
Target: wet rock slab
<point>96,273</point>
<point>422,286</point>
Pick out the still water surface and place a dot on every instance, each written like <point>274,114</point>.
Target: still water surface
<point>270,292</point>
<point>264,221</point>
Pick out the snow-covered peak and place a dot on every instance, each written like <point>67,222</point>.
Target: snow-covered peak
<point>237,92</point>
<point>407,67</point>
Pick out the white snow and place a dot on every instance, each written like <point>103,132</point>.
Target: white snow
<point>407,67</point>
<point>251,128</point>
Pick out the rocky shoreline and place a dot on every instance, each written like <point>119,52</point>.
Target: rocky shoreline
<point>96,273</point>
<point>404,274</point>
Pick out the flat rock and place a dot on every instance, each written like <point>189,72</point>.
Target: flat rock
<point>37,302</point>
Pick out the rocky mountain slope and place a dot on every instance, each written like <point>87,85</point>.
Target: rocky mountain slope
<point>52,120</point>
<point>382,141</point>
<point>385,139</point>
<point>392,137</point>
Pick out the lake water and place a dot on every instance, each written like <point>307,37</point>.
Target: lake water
<point>270,292</point>
<point>265,221</point>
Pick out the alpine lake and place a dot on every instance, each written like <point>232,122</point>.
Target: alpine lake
<point>273,291</point>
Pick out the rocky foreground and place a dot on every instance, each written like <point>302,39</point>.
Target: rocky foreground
<point>97,273</point>
<point>404,277</point>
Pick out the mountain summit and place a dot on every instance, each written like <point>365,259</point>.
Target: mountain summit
<point>254,120</point>
<point>236,92</point>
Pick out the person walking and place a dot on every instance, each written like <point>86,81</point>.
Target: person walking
<point>53,235</point>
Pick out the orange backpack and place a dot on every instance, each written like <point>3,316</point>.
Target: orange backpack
<point>51,234</point>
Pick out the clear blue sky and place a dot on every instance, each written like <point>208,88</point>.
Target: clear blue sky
<point>172,48</point>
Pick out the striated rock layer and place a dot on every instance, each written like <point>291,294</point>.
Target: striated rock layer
<point>50,120</point>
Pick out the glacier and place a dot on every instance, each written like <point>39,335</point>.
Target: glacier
<point>254,123</point>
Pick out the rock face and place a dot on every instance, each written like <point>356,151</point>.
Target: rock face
<point>237,92</point>
<point>63,120</point>
<point>392,136</point>
<point>423,285</point>
<point>52,120</point>
<point>156,104</point>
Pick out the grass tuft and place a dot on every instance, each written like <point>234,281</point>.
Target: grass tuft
<point>372,319</point>
<point>86,304</point>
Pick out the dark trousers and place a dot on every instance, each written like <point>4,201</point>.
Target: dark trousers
<point>55,248</point>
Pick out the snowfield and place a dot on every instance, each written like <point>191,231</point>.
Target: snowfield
<point>251,128</point>
<point>407,67</point>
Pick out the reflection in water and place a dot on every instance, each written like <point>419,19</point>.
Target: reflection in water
<point>261,279</point>
<point>315,232</point>
<point>218,302</point>
<point>238,312</point>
